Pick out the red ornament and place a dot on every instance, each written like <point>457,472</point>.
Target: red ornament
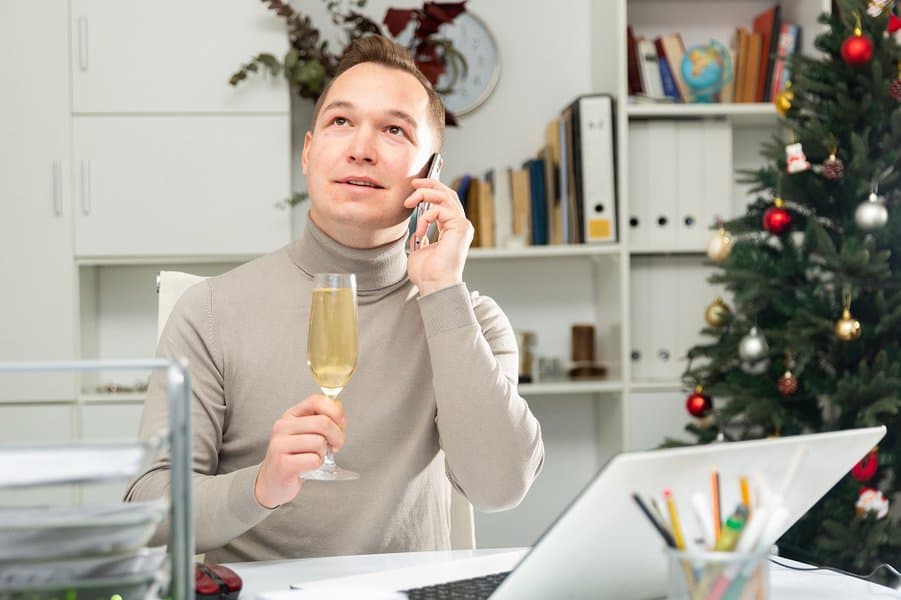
<point>894,23</point>
<point>777,220</point>
<point>894,89</point>
<point>866,468</point>
<point>857,49</point>
<point>787,384</point>
<point>698,404</point>
<point>833,168</point>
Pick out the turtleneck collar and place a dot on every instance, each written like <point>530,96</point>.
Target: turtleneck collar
<point>377,269</point>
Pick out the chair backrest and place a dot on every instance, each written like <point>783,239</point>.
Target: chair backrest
<point>170,285</point>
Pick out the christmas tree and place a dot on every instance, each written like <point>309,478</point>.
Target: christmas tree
<point>812,341</point>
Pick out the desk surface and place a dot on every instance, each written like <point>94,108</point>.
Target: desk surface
<point>786,584</point>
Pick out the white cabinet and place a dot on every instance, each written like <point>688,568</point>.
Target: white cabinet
<point>181,185</point>
<point>37,303</point>
<point>172,56</point>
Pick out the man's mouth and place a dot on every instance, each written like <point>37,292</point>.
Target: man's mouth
<point>361,182</point>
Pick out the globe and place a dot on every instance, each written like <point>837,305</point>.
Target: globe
<point>706,68</point>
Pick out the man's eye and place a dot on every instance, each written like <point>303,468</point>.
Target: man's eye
<point>339,121</point>
<point>395,130</point>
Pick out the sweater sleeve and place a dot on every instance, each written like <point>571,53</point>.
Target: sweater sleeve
<point>224,504</point>
<point>491,440</point>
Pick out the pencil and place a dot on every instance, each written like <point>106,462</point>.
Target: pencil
<point>745,493</point>
<point>666,535</point>
<point>674,519</point>
<point>717,514</point>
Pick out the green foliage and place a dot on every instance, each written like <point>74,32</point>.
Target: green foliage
<point>793,286</point>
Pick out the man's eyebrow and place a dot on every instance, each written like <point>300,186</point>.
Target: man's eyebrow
<point>337,104</point>
<point>397,114</point>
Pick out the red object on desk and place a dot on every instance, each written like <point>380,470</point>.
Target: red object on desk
<point>215,582</point>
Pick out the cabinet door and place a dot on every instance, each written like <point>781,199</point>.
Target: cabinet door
<point>36,269</point>
<point>173,56</point>
<point>181,185</point>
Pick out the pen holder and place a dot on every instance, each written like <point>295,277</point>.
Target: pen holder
<point>718,575</point>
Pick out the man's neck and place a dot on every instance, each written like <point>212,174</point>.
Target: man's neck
<point>354,236</point>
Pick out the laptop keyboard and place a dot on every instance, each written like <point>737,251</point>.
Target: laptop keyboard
<point>476,588</point>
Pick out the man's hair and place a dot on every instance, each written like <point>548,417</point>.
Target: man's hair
<point>382,51</point>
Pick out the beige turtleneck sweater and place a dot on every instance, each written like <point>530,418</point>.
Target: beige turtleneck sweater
<point>433,403</point>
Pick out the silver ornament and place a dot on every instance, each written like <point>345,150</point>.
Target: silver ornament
<point>872,214</point>
<point>753,346</point>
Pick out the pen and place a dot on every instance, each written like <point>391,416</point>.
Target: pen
<point>667,537</point>
<point>701,507</point>
<point>674,519</point>
<point>715,494</point>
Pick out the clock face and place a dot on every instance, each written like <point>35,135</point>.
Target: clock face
<point>472,38</point>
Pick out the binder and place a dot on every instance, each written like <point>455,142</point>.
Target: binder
<point>594,167</point>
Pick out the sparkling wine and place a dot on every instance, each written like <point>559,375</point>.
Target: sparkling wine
<point>332,343</point>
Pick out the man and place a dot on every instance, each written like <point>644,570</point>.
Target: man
<point>433,401</point>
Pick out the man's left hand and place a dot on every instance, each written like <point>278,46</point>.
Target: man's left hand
<point>435,266</point>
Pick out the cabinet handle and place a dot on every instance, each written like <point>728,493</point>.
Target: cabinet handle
<point>86,187</point>
<point>57,187</point>
<point>83,43</point>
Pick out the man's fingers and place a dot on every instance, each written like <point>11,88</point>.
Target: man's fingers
<point>317,404</point>
<point>321,426</point>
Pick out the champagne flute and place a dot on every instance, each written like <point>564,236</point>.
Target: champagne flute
<point>332,349</point>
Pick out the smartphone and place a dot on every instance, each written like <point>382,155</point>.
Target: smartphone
<point>432,171</point>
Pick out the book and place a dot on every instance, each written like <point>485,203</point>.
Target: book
<point>752,73</point>
<point>666,78</point>
<point>521,197</point>
<point>538,203</point>
<point>767,24</point>
<point>743,37</point>
<point>551,155</point>
<point>499,186</point>
<point>649,67</point>
<point>568,174</point>
<point>674,50</point>
<point>786,45</point>
<point>635,86</point>
<point>563,182</point>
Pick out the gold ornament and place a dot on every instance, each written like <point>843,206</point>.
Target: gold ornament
<point>784,99</point>
<point>719,246</point>
<point>847,328</point>
<point>717,313</point>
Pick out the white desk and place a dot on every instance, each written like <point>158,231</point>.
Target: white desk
<point>279,575</point>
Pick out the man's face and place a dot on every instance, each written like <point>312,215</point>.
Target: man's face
<point>370,139</point>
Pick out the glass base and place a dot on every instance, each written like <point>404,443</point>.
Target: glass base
<point>330,473</point>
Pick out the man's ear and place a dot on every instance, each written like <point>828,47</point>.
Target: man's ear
<point>304,155</point>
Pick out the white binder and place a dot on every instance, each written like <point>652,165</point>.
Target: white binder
<point>595,179</point>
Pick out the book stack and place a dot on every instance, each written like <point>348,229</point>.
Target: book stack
<point>759,57</point>
<point>564,194</point>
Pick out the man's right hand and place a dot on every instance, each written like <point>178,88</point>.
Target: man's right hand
<point>298,444</point>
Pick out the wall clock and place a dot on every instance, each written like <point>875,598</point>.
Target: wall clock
<point>474,40</point>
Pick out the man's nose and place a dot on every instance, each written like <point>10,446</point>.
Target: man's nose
<point>362,146</point>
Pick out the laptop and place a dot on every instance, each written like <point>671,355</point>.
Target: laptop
<point>602,546</point>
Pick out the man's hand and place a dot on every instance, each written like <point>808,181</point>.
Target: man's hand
<point>298,444</point>
<point>436,266</point>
